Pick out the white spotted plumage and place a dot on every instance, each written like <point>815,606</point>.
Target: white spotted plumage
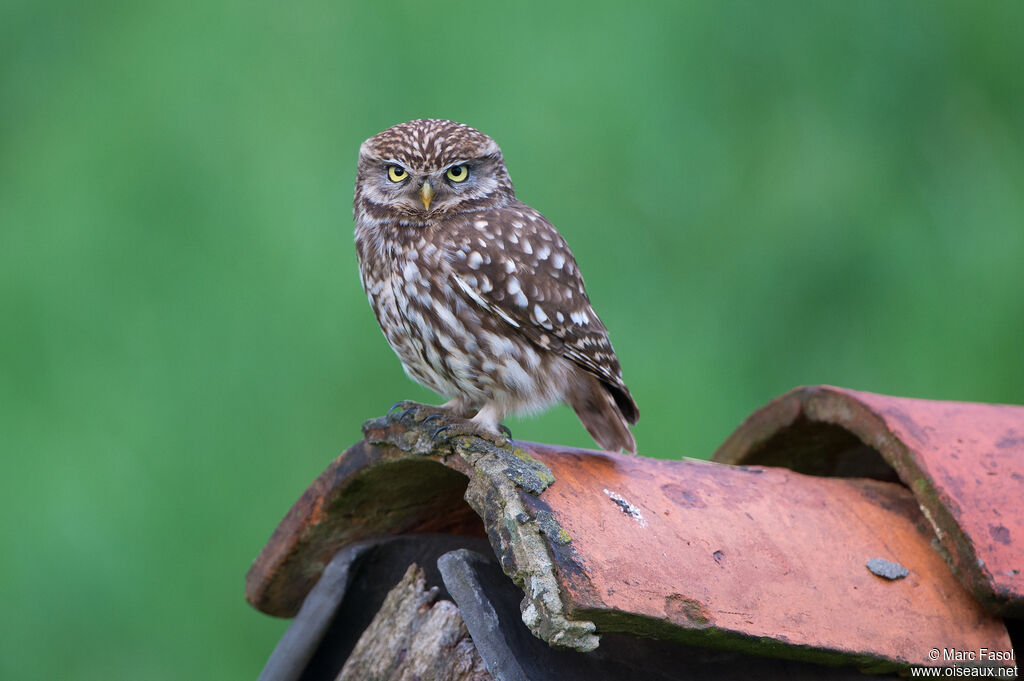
<point>476,292</point>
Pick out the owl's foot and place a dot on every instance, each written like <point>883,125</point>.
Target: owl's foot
<point>416,413</point>
<point>407,412</point>
<point>469,427</point>
<point>447,420</point>
<point>452,419</point>
<point>486,424</point>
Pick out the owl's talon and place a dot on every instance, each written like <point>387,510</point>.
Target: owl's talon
<point>401,417</point>
<point>432,417</point>
<point>503,428</point>
<point>395,406</point>
<point>433,436</point>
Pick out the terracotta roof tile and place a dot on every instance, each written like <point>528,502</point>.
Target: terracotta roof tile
<point>963,461</point>
<point>763,560</point>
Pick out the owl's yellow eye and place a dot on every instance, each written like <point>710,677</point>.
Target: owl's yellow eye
<point>397,173</point>
<point>458,173</point>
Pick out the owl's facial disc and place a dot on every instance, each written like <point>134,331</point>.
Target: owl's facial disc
<point>415,179</point>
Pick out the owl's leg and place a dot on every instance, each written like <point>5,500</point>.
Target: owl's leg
<point>488,419</point>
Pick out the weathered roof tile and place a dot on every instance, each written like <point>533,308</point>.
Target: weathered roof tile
<point>763,560</point>
<point>963,461</point>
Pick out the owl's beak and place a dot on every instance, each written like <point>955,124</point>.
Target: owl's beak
<point>426,193</point>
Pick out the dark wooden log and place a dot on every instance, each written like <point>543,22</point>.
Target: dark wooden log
<point>415,637</point>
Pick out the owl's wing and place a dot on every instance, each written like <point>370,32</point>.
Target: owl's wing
<point>516,265</point>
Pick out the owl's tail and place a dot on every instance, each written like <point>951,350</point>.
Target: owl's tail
<point>597,409</point>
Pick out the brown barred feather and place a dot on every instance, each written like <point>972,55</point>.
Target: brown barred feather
<point>601,415</point>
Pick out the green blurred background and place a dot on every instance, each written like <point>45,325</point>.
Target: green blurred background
<point>761,195</point>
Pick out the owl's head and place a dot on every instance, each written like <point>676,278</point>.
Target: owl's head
<point>420,171</point>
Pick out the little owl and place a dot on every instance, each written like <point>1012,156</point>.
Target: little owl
<point>476,292</point>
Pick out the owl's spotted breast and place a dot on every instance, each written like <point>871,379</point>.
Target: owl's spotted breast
<point>447,342</point>
<point>476,292</point>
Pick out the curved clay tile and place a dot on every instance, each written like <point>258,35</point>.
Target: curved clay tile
<point>963,461</point>
<point>766,561</point>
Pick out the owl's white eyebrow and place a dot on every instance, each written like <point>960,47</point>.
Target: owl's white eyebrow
<point>393,162</point>
<point>453,164</point>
